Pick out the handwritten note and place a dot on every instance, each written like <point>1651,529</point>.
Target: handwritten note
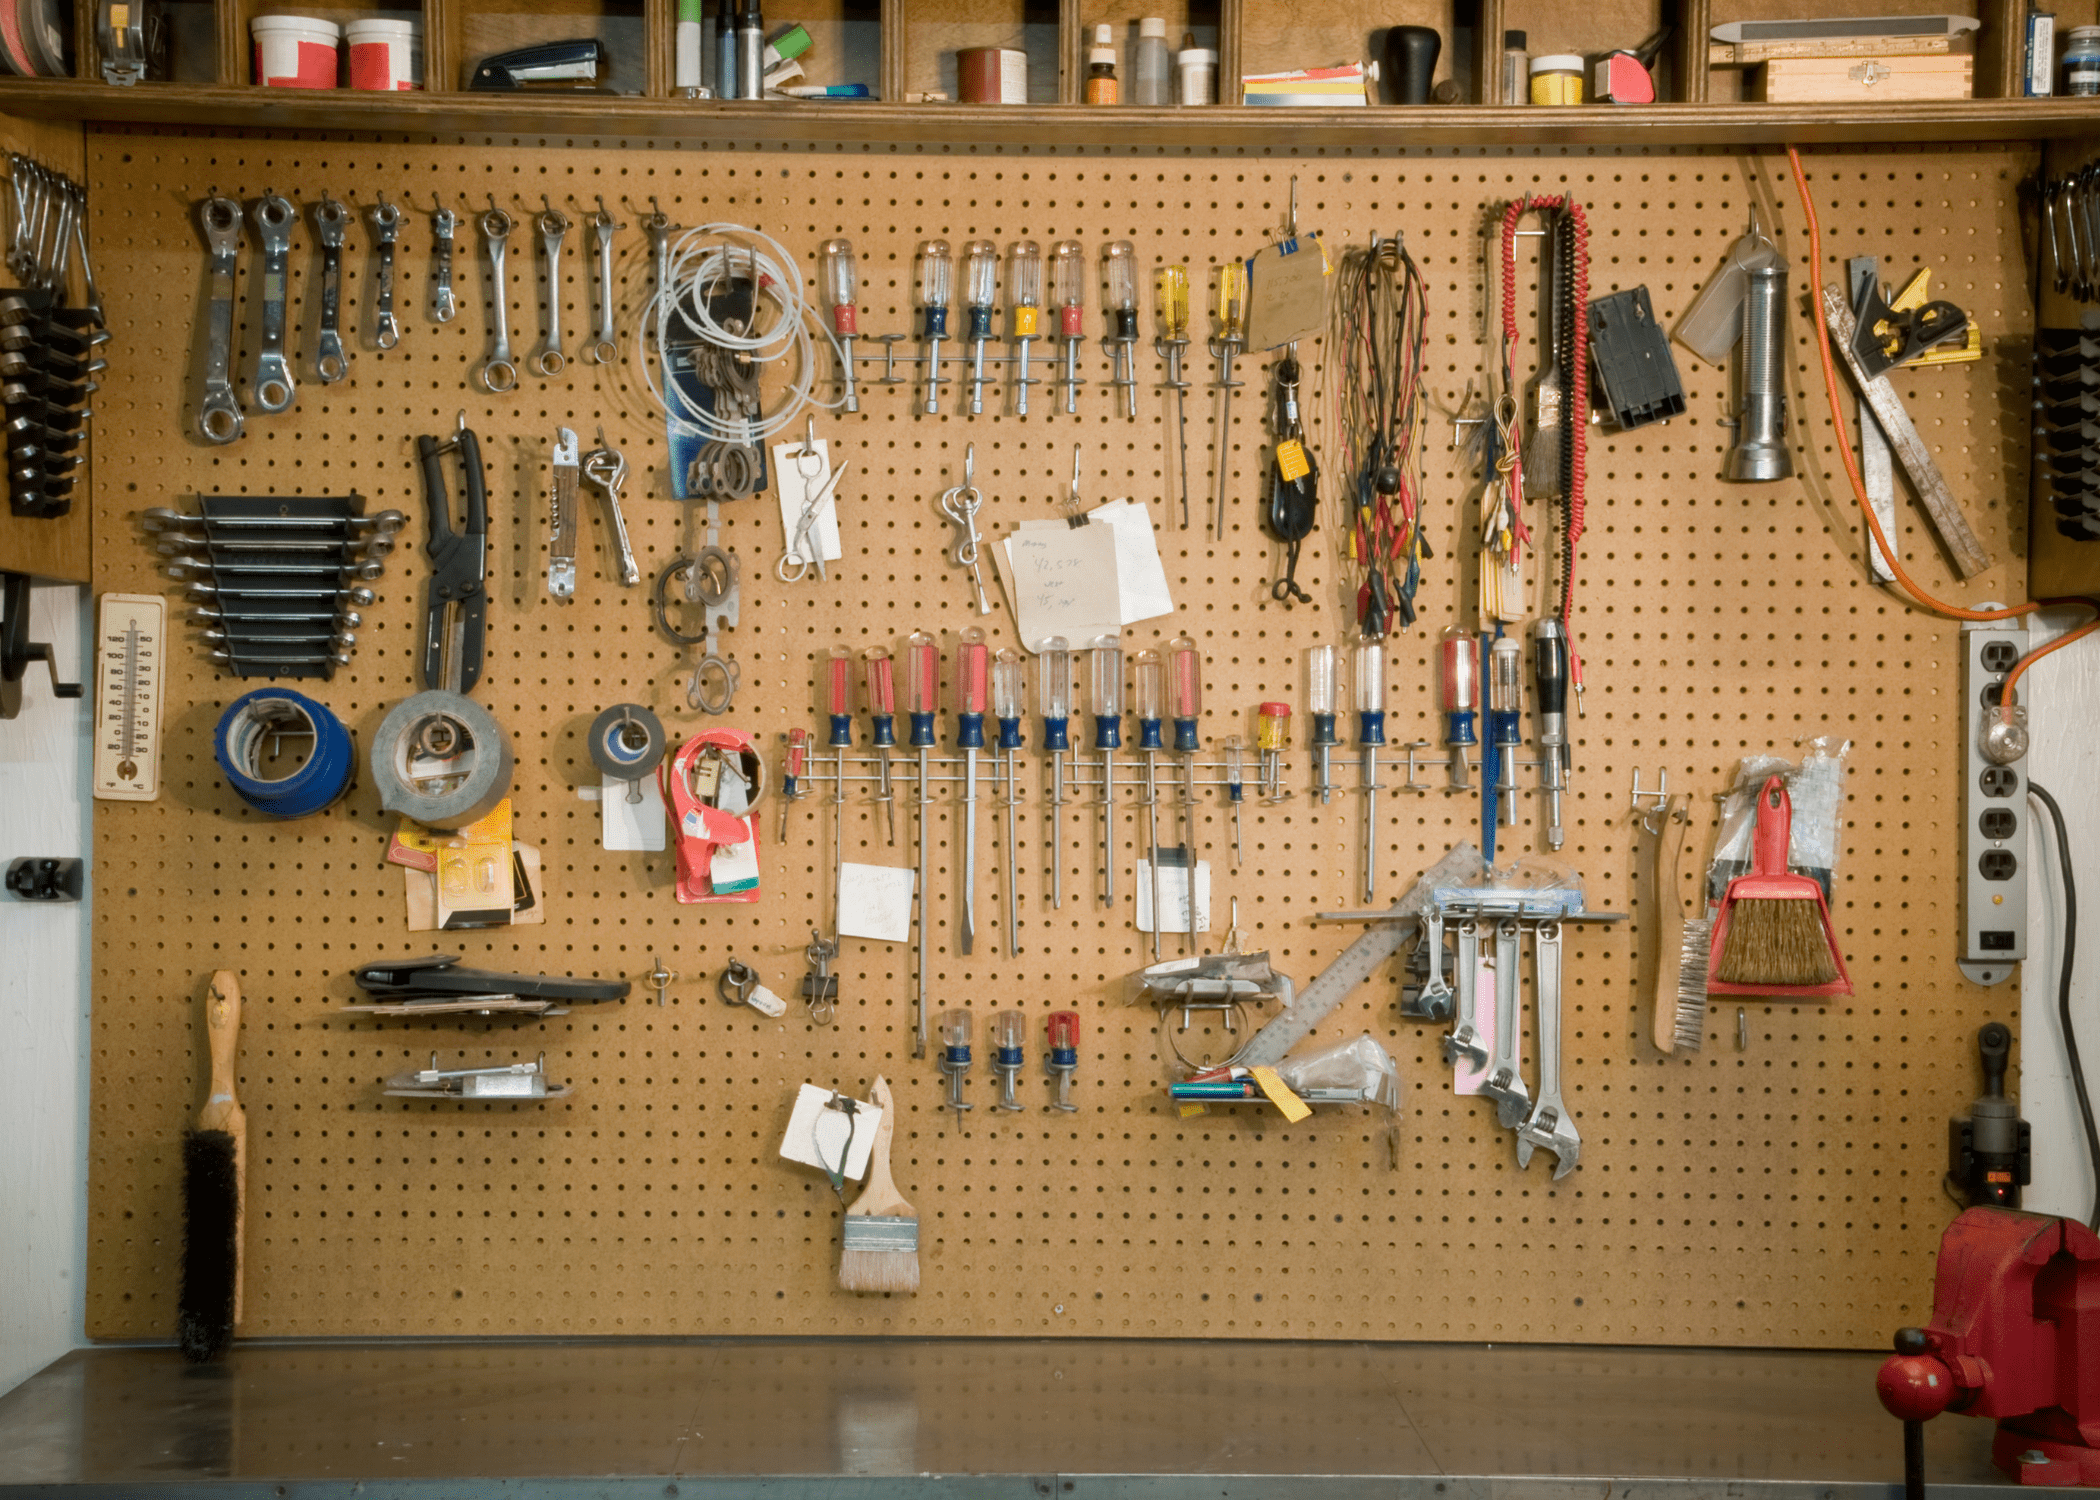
<point>875,902</point>
<point>1174,896</point>
<point>1061,580</point>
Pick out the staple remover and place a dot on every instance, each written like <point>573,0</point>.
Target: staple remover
<point>455,603</point>
<point>439,978</point>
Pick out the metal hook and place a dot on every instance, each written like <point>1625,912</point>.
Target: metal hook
<point>1658,808</point>
<point>809,438</point>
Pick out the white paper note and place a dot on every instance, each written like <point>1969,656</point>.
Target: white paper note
<point>1173,896</point>
<point>1141,578</point>
<point>819,1136</point>
<point>875,902</point>
<point>628,824</point>
<point>789,479</point>
<point>1061,580</point>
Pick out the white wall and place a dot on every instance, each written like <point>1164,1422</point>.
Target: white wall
<point>44,968</point>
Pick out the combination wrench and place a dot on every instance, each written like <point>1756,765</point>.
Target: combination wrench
<point>444,306</point>
<point>1549,1125</point>
<point>1505,1081</point>
<point>605,345</point>
<point>499,372</point>
<point>386,229</point>
<point>331,363</point>
<point>272,383</point>
<point>553,225</point>
<point>1463,1046</point>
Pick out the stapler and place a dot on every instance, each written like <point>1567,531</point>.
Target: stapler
<point>438,986</point>
<point>571,65</point>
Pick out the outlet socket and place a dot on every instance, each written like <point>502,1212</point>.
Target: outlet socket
<point>1994,812</point>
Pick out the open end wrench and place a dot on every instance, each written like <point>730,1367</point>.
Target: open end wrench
<point>1433,1000</point>
<point>272,384</point>
<point>605,344</point>
<point>1505,1081</point>
<point>331,363</point>
<point>548,359</point>
<point>444,305</point>
<point>1549,1125</point>
<point>386,229</point>
<point>1464,1041</point>
<point>499,372</point>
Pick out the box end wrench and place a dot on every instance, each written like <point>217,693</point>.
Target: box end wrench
<point>273,385</point>
<point>1505,1081</point>
<point>386,230</point>
<point>1549,1125</point>
<point>553,226</point>
<point>604,347</point>
<point>331,362</point>
<point>444,223</point>
<point>499,372</point>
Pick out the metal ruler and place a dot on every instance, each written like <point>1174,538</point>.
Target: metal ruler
<point>1876,464</point>
<point>128,632</point>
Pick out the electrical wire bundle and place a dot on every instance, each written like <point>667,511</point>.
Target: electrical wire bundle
<point>1381,326</point>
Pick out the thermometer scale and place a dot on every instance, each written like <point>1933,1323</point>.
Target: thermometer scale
<point>127,696</point>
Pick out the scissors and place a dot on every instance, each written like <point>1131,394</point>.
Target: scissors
<point>960,505</point>
<point>803,549</point>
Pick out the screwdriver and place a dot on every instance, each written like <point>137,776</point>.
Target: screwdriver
<point>980,284</point>
<point>1107,664</point>
<point>1549,650</point>
<point>842,291</point>
<point>1320,688</point>
<point>1063,1060</point>
<point>1172,342</point>
<point>1185,679</point>
<point>1009,698</point>
<point>791,778</point>
<point>1236,789</point>
<point>1120,318</point>
<point>1053,686</point>
<point>1458,676</point>
<point>971,665</point>
<point>1009,1053</point>
<point>838,693</point>
<point>1272,736</point>
<point>922,689</point>
<point>1505,717</point>
<point>1370,734</point>
<point>1225,347</point>
<point>1068,286</point>
<point>936,291</point>
<point>1149,676</point>
<point>880,680</point>
<point>1024,302</point>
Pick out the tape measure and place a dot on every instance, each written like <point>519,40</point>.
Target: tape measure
<point>127,696</point>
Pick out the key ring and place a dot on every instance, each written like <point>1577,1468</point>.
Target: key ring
<point>736,983</point>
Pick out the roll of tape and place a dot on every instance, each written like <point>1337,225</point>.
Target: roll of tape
<point>266,712</point>
<point>441,759</point>
<point>627,741</point>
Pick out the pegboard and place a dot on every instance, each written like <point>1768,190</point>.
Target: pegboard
<point>1788,1194</point>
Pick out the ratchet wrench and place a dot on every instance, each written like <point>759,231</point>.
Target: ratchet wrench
<point>499,372</point>
<point>219,416</point>
<point>386,229</point>
<point>331,363</point>
<point>605,346</point>
<point>553,226</point>
<point>273,385</point>
<point>444,306</point>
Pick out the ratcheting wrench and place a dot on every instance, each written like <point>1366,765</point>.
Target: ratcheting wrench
<point>331,363</point>
<point>272,384</point>
<point>219,416</point>
<point>386,229</point>
<point>553,225</point>
<point>499,372</point>
<point>1463,1043</point>
<point>561,518</point>
<point>605,346</point>
<point>1505,1081</point>
<point>1549,1125</point>
<point>444,306</point>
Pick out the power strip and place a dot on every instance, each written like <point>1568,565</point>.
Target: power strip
<point>1994,814</point>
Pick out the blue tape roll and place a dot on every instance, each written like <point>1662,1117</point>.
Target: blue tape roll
<point>267,711</point>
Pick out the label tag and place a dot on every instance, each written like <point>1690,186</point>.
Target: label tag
<point>1294,1109</point>
<point>1290,460</point>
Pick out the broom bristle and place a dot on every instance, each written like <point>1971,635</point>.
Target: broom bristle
<point>1691,983</point>
<point>1777,942</point>
<point>210,1249</point>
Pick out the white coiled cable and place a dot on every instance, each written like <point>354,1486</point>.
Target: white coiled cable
<point>706,259</point>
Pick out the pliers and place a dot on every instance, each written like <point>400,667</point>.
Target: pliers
<point>458,565</point>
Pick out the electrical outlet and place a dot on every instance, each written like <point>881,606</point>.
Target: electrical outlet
<point>1994,813</point>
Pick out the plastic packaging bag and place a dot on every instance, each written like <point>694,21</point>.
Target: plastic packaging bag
<point>1817,789</point>
<point>1362,1067</point>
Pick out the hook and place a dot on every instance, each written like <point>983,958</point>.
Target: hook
<point>809,438</point>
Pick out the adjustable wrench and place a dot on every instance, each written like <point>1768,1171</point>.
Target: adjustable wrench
<point>1505,1082</point>
<point>499,372</point>
<point>553,226</point>
<point>444,306</point>
<point>1549,1125</point>
<point>330,362</point>
<point>561,518</point>
<point>1432,1001</point>
<point>607,468</point>
<point>386,229</point>
<point>272,383</point>
<point>605,345</point>
<point>1463,1043</point>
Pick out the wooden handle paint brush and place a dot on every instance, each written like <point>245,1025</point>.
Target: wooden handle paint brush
<point>881,1251</point>
<point>214,1188</point>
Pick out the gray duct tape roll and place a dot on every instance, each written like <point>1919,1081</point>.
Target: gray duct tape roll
<point>441,759</point>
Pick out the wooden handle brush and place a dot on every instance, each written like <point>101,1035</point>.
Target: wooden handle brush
<point>215,1188</point>
<point>1681,943</point>
<point>881,1251</point>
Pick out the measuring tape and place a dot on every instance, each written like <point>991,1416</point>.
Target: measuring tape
<point>275,713</point>
<point>440,759</point>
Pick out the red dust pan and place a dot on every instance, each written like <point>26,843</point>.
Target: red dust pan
<point>1773,936</point>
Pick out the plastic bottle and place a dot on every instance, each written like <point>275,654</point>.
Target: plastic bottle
<point>1199,71</point>
<point>2082,62</point>
<point>1101,86</point>
<point>1516,69</point>
<point>1148,64</point>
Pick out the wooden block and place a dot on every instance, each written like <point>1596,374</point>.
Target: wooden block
<point>1749,54</point>
<point>1860,80</point>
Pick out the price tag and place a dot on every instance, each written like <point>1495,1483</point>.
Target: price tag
<point>1291,461</point>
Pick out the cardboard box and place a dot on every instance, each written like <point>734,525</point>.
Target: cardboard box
<point>1860,80</point>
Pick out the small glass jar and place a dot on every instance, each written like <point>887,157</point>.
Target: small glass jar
<point>2081,62</point>
<point>1556,78</point>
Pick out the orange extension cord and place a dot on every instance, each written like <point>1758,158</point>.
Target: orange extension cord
<point>1859,488</point>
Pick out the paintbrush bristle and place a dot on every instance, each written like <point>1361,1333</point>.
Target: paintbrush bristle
<point>1691,983</point>
<point>211,1199</point>
<point>1778,942</point>
<point>879,1270</point>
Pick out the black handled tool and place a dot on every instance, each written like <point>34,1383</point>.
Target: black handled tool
<point>1293,501</point>
<point>439,977</point>
<point>455,606</point>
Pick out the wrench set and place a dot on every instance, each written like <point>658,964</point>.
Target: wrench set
<point>2067,426</point>
<point>49,350</point>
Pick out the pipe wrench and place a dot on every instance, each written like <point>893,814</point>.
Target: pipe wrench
<point>499,372</point>
<point>1505,1082</point>
<point>386,230</point>
<point>1549,1125</point>
<point>553,226</point>
<point>272,383</point>
<point>561,517</point>
<point>455,602</point>
<point>331,363</point>
<point>219,417</point>
<point>444,306</point>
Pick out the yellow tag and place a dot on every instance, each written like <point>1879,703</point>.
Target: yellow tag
<point>1290,460</point>
<point>1024,323</point>
<point>119,17</point>
<point>1190,1110</point>
<point>1294,1109</point>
